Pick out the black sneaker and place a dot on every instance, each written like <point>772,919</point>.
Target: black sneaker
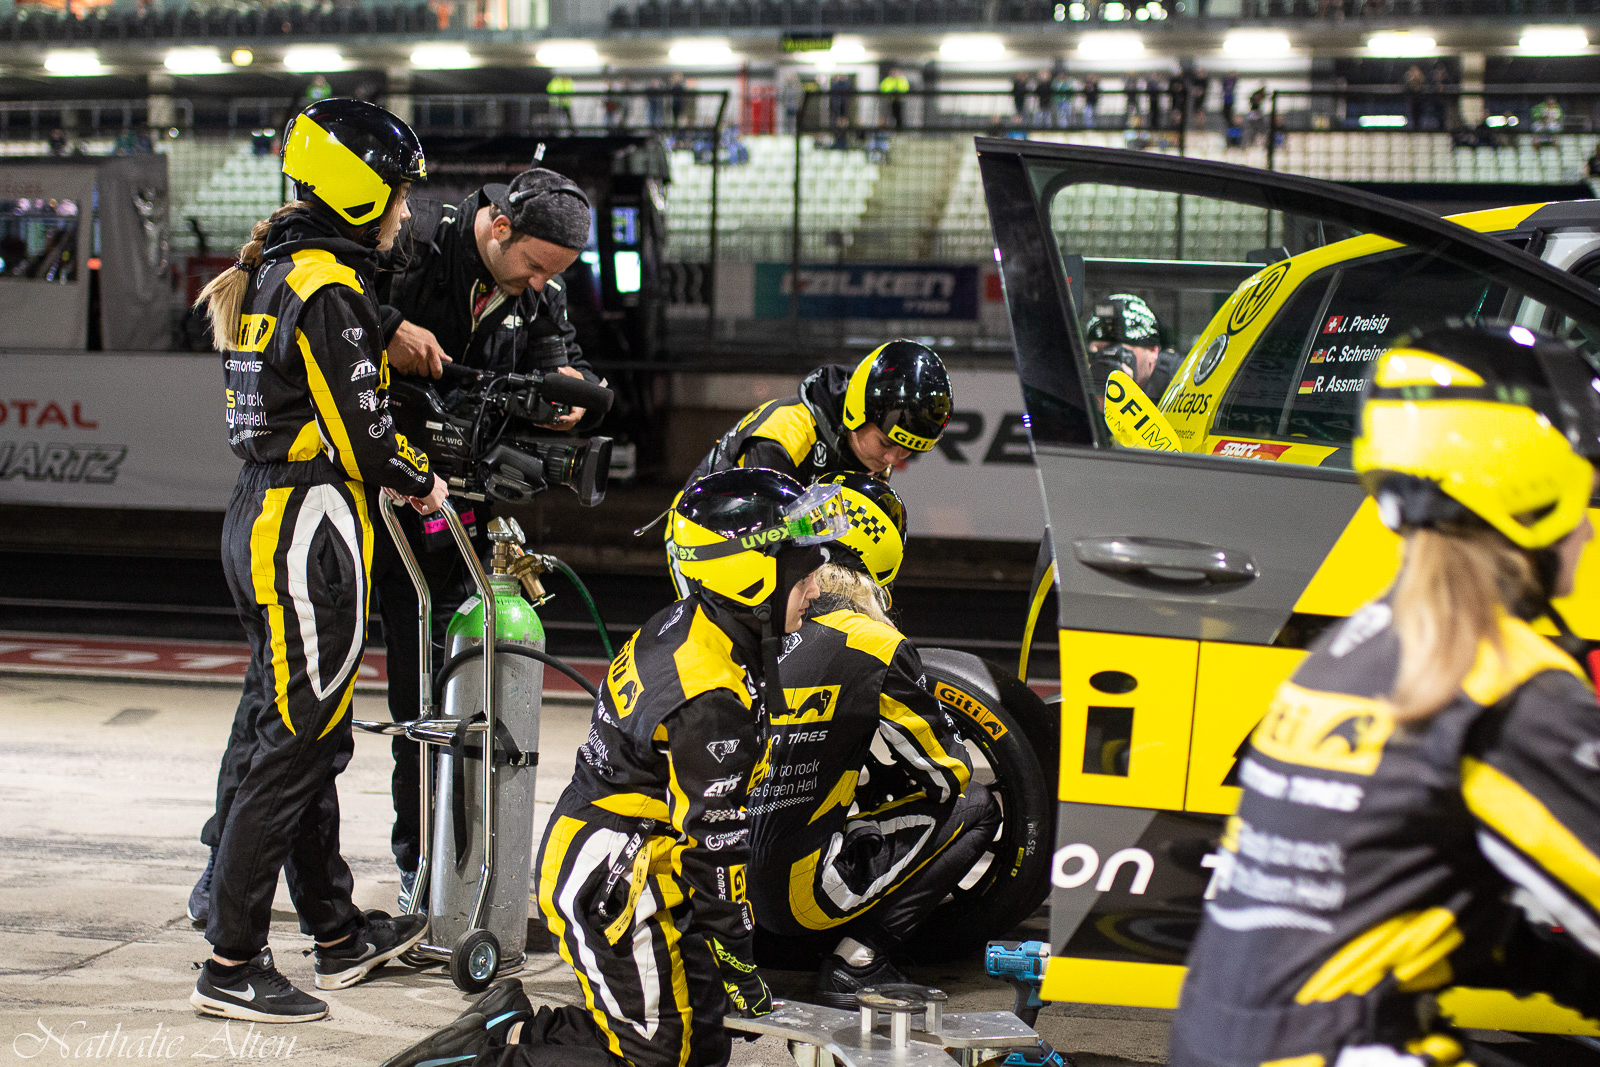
<point>408,886</point>
<point>460,1042</point>
<point>377,942</point>
<point>838,982</point>
<point>502,1006</point>
<point>258,994</point>
<point>200,895</point>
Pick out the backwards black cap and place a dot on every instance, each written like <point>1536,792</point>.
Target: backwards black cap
<point>541,203</point>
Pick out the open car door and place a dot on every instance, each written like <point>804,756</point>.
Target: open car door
<point>1194,569</point>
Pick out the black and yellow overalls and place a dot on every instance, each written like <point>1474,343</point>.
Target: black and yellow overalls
<point>646,856</point>
<point>816,862</point>
<point>1372,862</point>
<point>306,385</point>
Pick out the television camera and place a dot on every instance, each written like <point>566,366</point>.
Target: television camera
<point>484,437</point>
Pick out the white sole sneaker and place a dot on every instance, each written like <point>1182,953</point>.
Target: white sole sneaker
<point>228,1010</point>
<point>355,972</point>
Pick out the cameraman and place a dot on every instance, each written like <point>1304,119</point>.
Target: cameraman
<point>475,283</point>
<point>1125,335</point>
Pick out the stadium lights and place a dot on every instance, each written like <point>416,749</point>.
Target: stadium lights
<point>242,57</point>
<point>441,57</point>
<point>844,50</point>
<point>316,59</point>
<point>1256,44</point>
<point>75,63</point>
<point>1111,46</point>
<point>1381,121</point>
<point>972,49</point>
<point>1553,41</point>
<point>567,54</point>
<point>1400,43</point>
<point>702,53</point>
<point>194,61</point>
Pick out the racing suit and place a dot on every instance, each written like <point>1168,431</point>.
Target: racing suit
<point>306,388</point>
<point>803,437</point>
<point>645,857</point>
<point>436,279</point>
<point>816,863</point>
<point>1371,862</point>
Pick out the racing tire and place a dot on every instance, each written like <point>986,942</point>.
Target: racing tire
<point>1005,732</point>
<point>1001,723</point>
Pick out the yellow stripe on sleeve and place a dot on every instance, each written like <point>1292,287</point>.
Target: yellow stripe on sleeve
<point>327,410</point>
<point>307,444</point>
<point>915,725</point>
<point>1521,818</point>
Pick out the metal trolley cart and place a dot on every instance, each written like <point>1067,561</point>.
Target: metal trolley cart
<point>477,914</point>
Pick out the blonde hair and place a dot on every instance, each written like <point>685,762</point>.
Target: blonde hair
<point>1453,591</point>
<point>862,592</point>
<point>223,295</point>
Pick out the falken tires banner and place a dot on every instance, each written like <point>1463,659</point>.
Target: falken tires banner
<point>106,430</point>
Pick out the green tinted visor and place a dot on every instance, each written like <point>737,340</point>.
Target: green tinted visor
<point>817,516</point>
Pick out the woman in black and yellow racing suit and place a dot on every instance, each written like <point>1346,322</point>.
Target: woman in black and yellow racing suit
<point>867,859</point>
<point>307,411</point>
<point>643,870</point>
<point>1420,804</point>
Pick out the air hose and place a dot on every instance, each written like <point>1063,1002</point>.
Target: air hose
<point>594,612</point>
<point>510,648</point>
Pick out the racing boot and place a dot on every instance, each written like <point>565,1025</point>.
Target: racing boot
<point>378,940</point>
<point>838,981</point>
<point>483,1026</point>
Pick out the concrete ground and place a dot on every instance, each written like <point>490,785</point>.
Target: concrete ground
<point>103,789</point>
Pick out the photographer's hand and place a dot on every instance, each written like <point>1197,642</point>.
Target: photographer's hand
<point>573,417</point>
<point>427,505</point>
<point>415,351</point>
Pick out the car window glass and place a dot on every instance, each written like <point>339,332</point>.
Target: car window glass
<point>1267,324</point>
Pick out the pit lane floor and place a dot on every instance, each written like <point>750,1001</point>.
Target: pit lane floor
<point>103,788</point>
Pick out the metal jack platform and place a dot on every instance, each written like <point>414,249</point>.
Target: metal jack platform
<point>896,1026</point>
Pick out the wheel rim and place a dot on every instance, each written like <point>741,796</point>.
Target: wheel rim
<point>481,961</point>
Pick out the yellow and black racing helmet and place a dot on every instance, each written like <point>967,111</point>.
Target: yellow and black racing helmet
<point>903,389</point>
<point>876,541</point>
<point>351,155</point>
<point>1468,424</point>
<point>732,529</point>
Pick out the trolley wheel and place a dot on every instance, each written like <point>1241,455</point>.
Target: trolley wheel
<point>474,961</point>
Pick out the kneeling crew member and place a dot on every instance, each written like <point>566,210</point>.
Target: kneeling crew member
<point>644,864</point>
<point>870,418</point>
<point>1417,788</point>
<point>307,382</point>
<point>831,853</point>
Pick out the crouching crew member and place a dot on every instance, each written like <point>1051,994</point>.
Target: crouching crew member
<point>829,851</point>
<point>1419,801</point>
<point>645,860</point>
<point>306,382</point>
<point>869,418</point>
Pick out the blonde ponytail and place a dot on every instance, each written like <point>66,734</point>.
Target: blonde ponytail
<point>1453,590</point>
<point>855,587</point>
<point>223,296</point>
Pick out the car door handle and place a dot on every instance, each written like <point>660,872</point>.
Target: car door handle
<point>1164,562</point>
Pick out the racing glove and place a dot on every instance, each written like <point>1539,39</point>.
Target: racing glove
<point>746,990</point>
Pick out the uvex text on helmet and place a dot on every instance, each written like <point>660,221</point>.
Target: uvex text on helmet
<point>351,155</point>
<point>903,389</point>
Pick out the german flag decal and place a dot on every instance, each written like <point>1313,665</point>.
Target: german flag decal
<point>1308,386</point>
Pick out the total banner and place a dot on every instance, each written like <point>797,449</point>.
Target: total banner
<point>101,429</point>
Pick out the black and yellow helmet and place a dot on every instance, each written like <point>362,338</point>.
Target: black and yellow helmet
<point>876,539</point>
<point>1477,423</point>
<point>350,155</point>
<point>729,528</point>
<point>901,388</point>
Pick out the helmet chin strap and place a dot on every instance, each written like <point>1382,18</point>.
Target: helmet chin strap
<point>771,645</point>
